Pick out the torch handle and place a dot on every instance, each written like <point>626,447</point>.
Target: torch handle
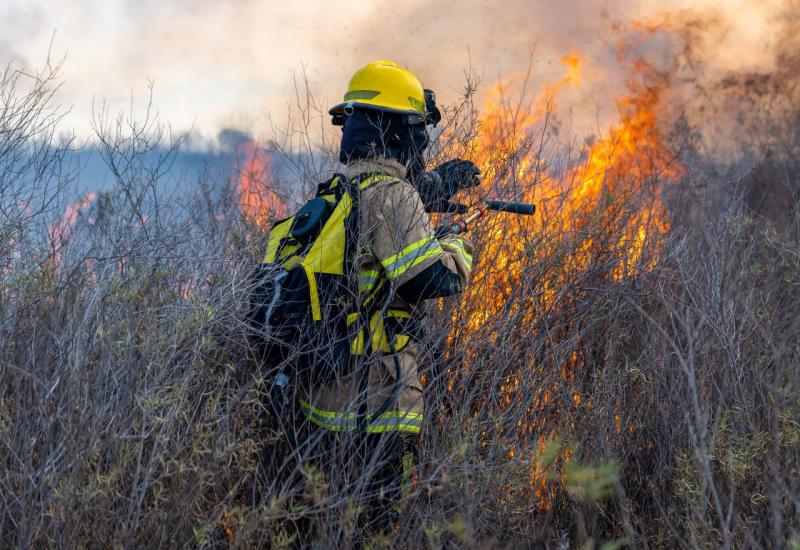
<point>460,226</point>
<point>456,228</point>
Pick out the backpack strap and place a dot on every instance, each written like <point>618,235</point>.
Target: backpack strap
<point>328,187</point>
<point>351,236</point>
<point>354,187</point>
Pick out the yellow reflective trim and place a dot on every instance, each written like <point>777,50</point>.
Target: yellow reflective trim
<point>411,256</point>
<point>398,427</point>
<point>327,414</point>
<point>407,415</point>
<point>458,245</point>
<point>366,279</point>
<point>414,262</point>
<point>402,421</point>
<point>360,94</point>
<point>407,250</point>
<point>316,311</point>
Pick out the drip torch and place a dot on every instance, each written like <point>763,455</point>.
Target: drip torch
<point>460,226</point>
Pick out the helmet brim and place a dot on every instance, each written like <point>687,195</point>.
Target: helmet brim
<point>342,108</point>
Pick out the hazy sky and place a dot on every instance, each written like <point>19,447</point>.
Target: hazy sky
<point>220,63</point>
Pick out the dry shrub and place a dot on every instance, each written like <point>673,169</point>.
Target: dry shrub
<point>657,408</point>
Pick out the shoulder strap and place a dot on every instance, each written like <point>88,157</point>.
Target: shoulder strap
<point>351,228</point>
<point>329,186</point>
<point>353,188</point>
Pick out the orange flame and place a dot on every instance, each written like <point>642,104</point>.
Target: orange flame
<point>598,217</point>
<point>61,229</point>
<point>622,168</point>
<point>257,198</point>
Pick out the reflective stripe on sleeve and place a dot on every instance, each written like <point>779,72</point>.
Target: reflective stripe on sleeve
<point>411,256</point>
<point>392,421</point>
<point>459,247</point>
<point>366,280</point>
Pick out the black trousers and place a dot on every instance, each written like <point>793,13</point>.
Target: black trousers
<point>370,471</point>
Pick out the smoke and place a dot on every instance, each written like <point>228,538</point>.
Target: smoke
<point>17,22</point>
<point>728,70</point>
<point>213,64</point>
<point>736,86</point>
<point>234,64</point>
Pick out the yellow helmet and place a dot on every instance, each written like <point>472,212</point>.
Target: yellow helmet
<point>385,86</point>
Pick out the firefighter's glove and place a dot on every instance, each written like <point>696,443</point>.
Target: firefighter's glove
<point>446,207</point>
<point>457,174</point>
<point>438,186</point>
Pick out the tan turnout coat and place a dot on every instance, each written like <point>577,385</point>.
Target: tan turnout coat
<point>397,242</point>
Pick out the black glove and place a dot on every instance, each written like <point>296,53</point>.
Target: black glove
<point>438,186</point>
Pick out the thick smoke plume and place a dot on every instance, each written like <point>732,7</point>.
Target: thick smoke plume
<point>221,64</point>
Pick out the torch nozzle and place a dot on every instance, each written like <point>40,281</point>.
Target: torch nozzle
<point>523,208</point>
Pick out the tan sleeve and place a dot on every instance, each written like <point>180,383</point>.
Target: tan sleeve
<point>402,237</point>
<point>460,250</point>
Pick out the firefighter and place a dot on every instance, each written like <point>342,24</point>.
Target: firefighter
<point>370,414</point>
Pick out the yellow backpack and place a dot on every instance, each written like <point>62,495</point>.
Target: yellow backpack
<point>306,289</point>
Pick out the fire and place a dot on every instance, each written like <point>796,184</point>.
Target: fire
<point>585,203</point>
<point>257,198</point>
<point>598,217</point>
<point>61,229</point>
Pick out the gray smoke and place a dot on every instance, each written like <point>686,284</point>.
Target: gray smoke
<point>221,64</point>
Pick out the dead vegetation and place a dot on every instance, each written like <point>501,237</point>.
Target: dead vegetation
<point>643,400</point>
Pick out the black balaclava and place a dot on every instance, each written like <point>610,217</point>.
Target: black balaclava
<point>370,133</point>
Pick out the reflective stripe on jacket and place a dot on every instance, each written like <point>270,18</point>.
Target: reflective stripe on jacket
<point>396,243</point>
